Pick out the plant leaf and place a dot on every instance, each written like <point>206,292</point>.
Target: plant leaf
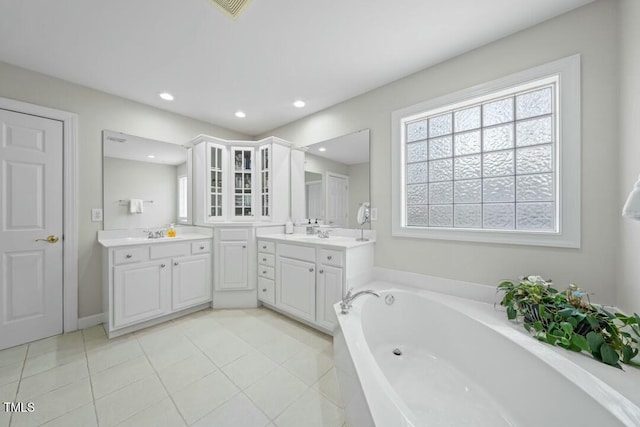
<point>567,327</point>
<point>595,341</point>
<point>511,312</point>
<point>581,342</point>
<point>609,355</point>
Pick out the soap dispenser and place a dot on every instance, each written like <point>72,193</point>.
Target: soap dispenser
<point>171,232</point>
<point>288,226</point>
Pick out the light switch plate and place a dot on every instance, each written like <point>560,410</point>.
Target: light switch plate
<point>96,214</point>
<point>374,214</point>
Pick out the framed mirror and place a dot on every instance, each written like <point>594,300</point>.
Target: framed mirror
<point>337,179</point>
<point>146,183</point>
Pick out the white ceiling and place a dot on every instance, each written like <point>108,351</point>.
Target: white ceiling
<point>277,51</point>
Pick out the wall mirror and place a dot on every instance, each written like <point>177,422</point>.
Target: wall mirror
<point>154,172</point>
<point>337,179</point>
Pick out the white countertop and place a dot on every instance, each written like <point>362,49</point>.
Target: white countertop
<point>130,241</point>
<point>344,242</point>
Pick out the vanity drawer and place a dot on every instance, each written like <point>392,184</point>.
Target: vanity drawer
<point>266,290</point>
<point>330,257</point>
<point>268,272</point>
<point>268,247</point>
<point>169,250</point>
<point>127,255</point>
<point>200,247</point>
<point>266,259</point>
<point>234,234</point>
<point>303,253</point>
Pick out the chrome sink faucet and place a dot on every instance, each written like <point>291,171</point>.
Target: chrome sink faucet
<point>345,304</point>
<point>154,234</point>
<point>324,234</point>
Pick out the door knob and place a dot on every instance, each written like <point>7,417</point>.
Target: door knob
<point>49,239</point>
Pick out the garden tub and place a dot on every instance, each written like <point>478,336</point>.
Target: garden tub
<point>417,358</point>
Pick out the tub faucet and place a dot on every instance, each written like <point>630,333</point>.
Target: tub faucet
<point>345,304</point>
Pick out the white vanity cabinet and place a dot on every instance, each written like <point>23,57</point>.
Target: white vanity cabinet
<point>310,278</point>
<point>148,283</point>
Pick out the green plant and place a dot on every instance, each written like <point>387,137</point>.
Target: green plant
<point>565,319</point>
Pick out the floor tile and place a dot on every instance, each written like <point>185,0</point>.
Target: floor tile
<point>13,355</point>
<point>283,348</point>
<point>185,372</point>
<point>52,379</point>
<point>239,411</point>
<point>212,338</point>
<point>55,343</point>
<point>203,396</point>
<point>84,416</point>
<point>105,358</point>
<point>120,376</point>
<point>226,352</point>
<point>97,342</point>
<point>327,385</point>
<point>10,373</point>
<point>54,404</point>
<point>93,333</point>
<point>161,414</point>
<point>309,366</point>
<point>173,351</point>
<point>52,359</point>
<point>7,394</point>
<point>126,402</point>
<point>199,326</point>
<point>314,409</point>
<point>249,368</point>
<point>274,392</point>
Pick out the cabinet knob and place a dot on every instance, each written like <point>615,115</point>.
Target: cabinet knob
<point>264,247</point>
<point>202,247</point>
<point>311,270</point>
<point>329,257</point>
<point>244,246</point>
<point>264,289</point>
<point>264,259</point>
<point>321,271</point>
<point>264,271</point>
<point>128,256</point>
<point>175,263</point>
<point>162,266</point>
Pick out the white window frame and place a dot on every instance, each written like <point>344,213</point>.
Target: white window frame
<point>568,155</point>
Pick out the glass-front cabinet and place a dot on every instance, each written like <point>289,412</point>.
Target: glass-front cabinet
<point>241,180</point>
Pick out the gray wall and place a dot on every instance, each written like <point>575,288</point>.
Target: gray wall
<point>628,280</point>
<point>98,111</point>
<point>358,190</point>
<point>130,179</point>
<point>590,31</point>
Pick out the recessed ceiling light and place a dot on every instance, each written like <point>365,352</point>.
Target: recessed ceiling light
<point>166,96</point>
<point>299,103</point>
<point>151,156</point>
<point>240,114</point>
<point>322,149</point>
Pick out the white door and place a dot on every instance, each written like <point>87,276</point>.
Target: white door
<point>30,211</point>
<point>337,199</point>
<point>296,291</point>
<point>234,262</point>
<point>191,282</point>
<point>141,291</point>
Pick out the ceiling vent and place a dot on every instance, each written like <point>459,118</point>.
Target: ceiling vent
<point>232,8</point>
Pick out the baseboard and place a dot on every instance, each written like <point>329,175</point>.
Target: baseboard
<point>89,321</point>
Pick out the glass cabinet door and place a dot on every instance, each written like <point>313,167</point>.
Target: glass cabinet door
<point>215,174</point>
<point>243,182</point>
<point>264,180</point>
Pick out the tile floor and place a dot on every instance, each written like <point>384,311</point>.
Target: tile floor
<point>240,368</point>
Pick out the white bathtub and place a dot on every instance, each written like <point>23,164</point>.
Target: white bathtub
<point>462,364</point>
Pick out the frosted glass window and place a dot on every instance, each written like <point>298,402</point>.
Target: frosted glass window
<point>485,163</point>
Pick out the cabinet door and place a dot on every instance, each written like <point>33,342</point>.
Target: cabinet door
<point>296,287</point>
<point>329,292</point>
<point>216,182</point>
<point>191,281</point>
<point>233,262</point>
<point>140,291</point>
<point>243,182</point>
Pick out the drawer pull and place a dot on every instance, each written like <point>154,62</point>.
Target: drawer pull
<point>175,263</point>
<point>162,266</point>
<point>264,247</point>
<point>329,257</point>
<point>264,271</point>
<point>128,256</point>
<point>264,259</point>
<point>264,289</point>
<point>202,247</point>
<point>311,270</point>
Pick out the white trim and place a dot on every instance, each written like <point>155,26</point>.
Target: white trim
<point>89,321</point>
<point>569,159</point>
<point>70,202</point>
